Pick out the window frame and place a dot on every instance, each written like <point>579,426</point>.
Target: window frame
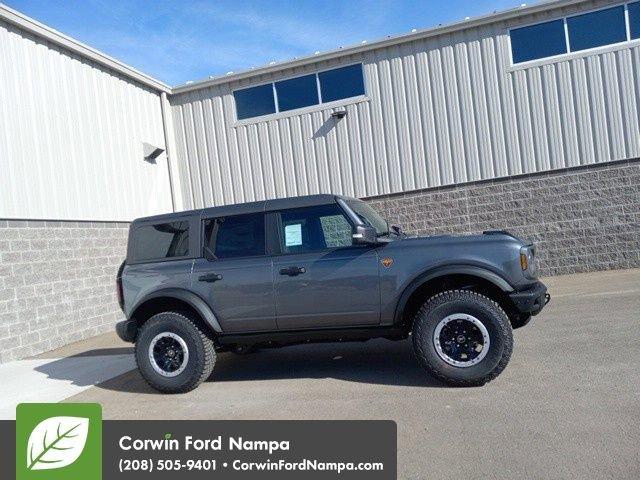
<point>277,94</point>
<point>278,227</point>
<point>574,53</point>
<point>564,30</point>
<point>273,97</point>
<point>627,19</point>
<point>310,108</point>
<point>203,240</point>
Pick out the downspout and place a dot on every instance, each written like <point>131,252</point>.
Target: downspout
<point>167,129</point>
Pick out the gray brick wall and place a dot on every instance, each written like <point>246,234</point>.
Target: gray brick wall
<point>56,283</point>
<point>581,219</point>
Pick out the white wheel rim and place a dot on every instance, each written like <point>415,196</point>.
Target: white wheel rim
<point>179,344</point>
<point>462,317</point>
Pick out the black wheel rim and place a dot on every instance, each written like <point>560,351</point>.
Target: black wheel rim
<point>461,340</point>
<point>168,354</point>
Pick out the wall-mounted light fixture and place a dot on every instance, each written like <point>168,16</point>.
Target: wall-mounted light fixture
<point>339,114</point>
<point>151,152</point>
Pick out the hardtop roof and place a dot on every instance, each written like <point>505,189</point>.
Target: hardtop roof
<point>245,208</point>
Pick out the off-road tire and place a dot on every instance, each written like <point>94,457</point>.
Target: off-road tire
<point>202,354</point>
<point>488,312</point>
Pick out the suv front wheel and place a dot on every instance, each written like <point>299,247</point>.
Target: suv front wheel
<point>462,337</point>
<point>173,354</point>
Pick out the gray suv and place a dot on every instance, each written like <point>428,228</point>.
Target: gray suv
<point>318,268</point>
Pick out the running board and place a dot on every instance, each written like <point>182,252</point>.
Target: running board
<point>293,337</point>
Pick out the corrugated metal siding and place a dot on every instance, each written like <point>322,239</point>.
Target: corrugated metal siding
<point>440,111</point>
<point>71,137</point>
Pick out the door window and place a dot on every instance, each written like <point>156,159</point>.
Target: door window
<point>313,229</point>
<point>236,236</point>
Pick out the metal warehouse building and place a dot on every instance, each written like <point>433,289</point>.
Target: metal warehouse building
<point>527,119</point>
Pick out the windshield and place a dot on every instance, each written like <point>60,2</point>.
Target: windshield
<point>369,216</point>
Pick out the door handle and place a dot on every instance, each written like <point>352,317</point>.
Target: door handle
<point>210,277</point>
<point>293,271</point>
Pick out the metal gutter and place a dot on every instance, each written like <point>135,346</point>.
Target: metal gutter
<point>170,149</point>
<point>30,25</point>
<point>389,41</point>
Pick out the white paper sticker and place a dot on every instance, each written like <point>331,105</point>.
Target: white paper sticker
<point>293,235</point>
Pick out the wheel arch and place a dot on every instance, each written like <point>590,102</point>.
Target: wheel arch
<point>447,277</point>
<point>176,299</point>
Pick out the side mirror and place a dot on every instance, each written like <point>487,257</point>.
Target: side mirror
<point>365,235</point>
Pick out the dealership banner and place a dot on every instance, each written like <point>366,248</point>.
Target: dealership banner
<point>71,441</point>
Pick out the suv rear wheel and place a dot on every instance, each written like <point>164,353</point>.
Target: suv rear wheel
<point>462,337</point>
<point>173,354</point>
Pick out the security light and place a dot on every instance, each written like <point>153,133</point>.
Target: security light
<point>151,152</point>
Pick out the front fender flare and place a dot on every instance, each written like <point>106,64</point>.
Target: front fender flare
<point>197,303</point>
<point>458,269</point>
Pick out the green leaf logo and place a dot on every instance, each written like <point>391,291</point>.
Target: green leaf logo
<point>56,442</point>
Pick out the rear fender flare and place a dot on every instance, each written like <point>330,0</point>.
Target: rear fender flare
<point>197,303</point>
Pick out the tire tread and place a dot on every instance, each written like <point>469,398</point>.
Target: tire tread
<point>206,365</point>
<point>451,295</point>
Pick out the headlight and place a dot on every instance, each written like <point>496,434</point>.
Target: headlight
<point>528,260</point>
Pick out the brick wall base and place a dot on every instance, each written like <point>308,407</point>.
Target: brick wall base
<point>57,283</point>
<point>582,219</point>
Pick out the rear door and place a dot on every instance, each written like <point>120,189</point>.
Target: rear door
<point>321,279</point>
<point>235,276</point>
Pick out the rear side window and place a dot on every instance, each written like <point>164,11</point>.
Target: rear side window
<point>164,240</point>
<point>236,236</point>
<point>314,228</point>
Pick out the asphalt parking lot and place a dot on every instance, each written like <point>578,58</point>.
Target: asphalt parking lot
<point>568,405</point>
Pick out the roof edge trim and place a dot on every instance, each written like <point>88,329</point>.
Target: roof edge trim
<point>40,30</point>
<point>374,45</point>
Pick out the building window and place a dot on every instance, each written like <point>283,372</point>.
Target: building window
<point>165,240</point>
<point>575,33</point>
<point>234,237</point>
<point>254,101</point>
<point>299,92</point>
<point>538,41</point>
<point>596,29</point>
<point>341,83</point>
<point>634,19</point>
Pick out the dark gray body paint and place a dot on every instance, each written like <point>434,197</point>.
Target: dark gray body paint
<point>243,300</point>
<point>342,287</point>
<point>339,288</point>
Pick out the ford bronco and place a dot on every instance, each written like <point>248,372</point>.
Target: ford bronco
<point>318,268</point>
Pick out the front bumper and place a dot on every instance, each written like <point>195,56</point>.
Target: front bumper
<point>532,300</point>
<point>127,330</point>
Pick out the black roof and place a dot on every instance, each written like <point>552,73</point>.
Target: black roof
<point>252,207</point>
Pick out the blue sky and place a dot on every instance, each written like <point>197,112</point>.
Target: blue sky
<point>177,41</point>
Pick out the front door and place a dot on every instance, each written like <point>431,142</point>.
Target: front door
<point>321,279</point>
<point>236,277</point>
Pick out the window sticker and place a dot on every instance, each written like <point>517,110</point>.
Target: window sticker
<point>293,235</point>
